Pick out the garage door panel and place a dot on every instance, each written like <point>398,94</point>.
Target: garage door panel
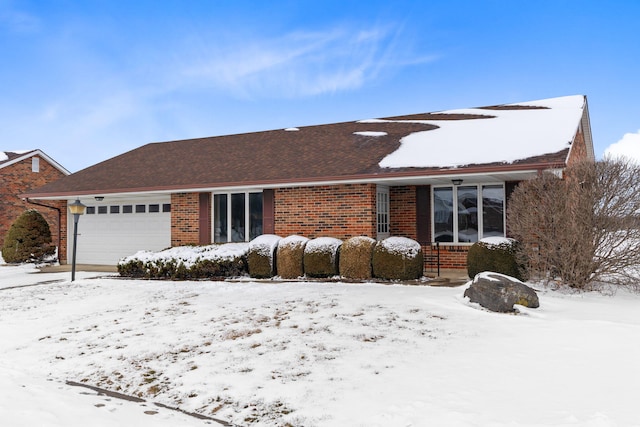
<point>106,238</point>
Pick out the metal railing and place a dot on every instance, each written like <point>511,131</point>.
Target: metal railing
<point>432,259</point>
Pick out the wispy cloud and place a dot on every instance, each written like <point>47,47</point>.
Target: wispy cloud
<point>299,63</point>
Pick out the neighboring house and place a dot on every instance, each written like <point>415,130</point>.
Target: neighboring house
<point>20,172</point>
<point>435,177</point>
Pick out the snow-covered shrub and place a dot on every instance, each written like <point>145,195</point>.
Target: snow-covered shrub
<point>321,257</point>
<point>398,258</point>
<point>355,257</point>
<point>290,256</point>
<point>28,239</point>
<point>496,254</point>
<point>188,262</point>
<point>261,258</point>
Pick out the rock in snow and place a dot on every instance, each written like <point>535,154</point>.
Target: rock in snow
<point>497,292</point>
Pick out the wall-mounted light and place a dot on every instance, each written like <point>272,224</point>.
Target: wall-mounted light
<point>456,182</point>
<point>99,198</point>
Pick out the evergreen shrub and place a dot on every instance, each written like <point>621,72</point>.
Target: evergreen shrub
<point>498,255</point>
<point>28,239</point>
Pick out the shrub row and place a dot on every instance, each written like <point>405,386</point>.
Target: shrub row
<point>358,258</point>
<point>361,258</point>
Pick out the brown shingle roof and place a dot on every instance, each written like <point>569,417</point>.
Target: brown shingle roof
<point>310,154</point>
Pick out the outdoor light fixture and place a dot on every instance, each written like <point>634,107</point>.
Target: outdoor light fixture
<point>99,198</point>
<point>76,208</point>
<point>456,182</point>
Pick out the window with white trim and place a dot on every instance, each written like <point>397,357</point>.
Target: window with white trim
<point>382,212</point>
<point>237,217</point>
<point>468,213</point>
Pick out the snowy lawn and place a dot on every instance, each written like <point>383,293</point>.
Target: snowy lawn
<point>310,354</point>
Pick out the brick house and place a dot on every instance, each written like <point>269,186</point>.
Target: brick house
<point>435,177</point>
<point>21,172</point>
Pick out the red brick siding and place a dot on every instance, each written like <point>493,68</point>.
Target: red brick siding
<point>402,211</point>
<point>185,219</point>
<point>18,178</point>
<point>451,256</point>
<point>578,149</point>
<point>340,211</point>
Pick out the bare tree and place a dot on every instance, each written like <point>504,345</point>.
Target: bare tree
<point>581,230</point>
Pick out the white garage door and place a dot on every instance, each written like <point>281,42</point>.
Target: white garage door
<point>112,229</point>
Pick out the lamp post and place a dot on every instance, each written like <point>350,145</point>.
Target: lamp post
<point>76,208</point>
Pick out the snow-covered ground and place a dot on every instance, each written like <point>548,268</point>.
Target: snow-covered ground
<point>309,354</point>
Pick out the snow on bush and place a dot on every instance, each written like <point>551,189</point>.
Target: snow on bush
<point>401,246</point>
<point>321,257</point>
<point>289,257</point>
<point>498,241</point>
<point>265,245</point>
<point>187,262</point>
<point>398,258</point>
<point>262,250</point>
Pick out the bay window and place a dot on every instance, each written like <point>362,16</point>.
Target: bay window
<point>467,213</point>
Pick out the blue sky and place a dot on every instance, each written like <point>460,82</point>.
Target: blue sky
<point>88,80</point>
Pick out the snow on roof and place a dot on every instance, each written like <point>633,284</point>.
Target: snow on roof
<point>371,133</point>
<point>3,156</point>
<point>506,135</point>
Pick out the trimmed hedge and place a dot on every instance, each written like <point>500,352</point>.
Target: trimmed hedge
<point>186,263</point>
<point>499,255</point>
<point>321,257</point>
<point>356,256</point>
<point>290,257</point>
<point>398,258</point>
<point>261,257</point>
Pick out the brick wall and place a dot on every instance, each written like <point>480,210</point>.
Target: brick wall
<point>402,211</point>
<point>578,149</point>
<point>451,256</point>
<point>340,211</point>
<point>185,209</point>
<point>18,178</point>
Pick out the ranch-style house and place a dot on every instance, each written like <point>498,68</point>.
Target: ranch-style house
<point>443,177</point>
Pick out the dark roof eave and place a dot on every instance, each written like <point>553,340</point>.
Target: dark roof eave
<point>371,177</point>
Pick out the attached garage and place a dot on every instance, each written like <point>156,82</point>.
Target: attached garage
<point>112,229</point>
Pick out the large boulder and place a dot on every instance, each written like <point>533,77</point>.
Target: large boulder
<point>321,257</point>
<point>497,292</point>
<point>398,258</point>
<point>290,256</point>
<point>355,257</point>
<point>261,257</point>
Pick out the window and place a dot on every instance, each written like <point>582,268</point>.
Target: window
<point>91,210</point>
<point>237,217</point>
<point>166,207</point>
<point>154,208</point>
<point>102,209</point>
<point>127,209</point>
<point>466,214</point>
<point>114,209</point>
<point>35,164</point>
<point>141,208</point>
<point>382,212</point>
